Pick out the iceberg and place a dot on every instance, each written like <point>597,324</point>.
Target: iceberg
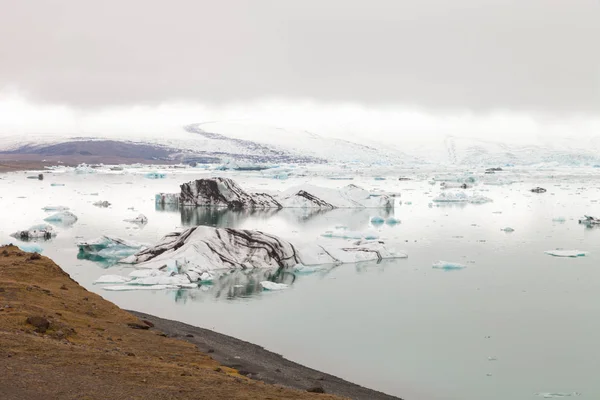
<point>55,208</point>
<point>392,221</point>
<point>460,197</point>
<point>121,288</point>
<point>350,196</point>
<point>271,286</point>
<point>63,217</point>
<point>563,219</point>
<point>84,169</point>
<point>377,220</point>
<point>346,234</point>
<point>102,204</point>
<point>140,220</point>
<point>57,184</point>
<point>538,190</point>
<point>508,229</point>
<point>226,193</point>
<point>567,253</point>
<point>108,248</point>
<point>206,249</point>
<point>35,232</point>
<point>155,175</point>
<point>549,395</point>
<point>326,253</point>
<point>588,220</point>
<point>454,185</point>
<point>448,265</point>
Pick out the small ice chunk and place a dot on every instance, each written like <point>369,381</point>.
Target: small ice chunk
<point>55,208</point>
<point>140,219</point>
<point>112,279</point>
<point>28,247</point>
<point>102,204</point>
<point>57,184</point>
<point>307,269</point>
<point>448,265</point>
<point>377,220</point>
<point>460,197</point>
<point>155,175</point>
<point>559,219</point>
<point>345,234</point>
<point>508,229</point>
<point>392,221</point>
<point>567,253</point>
<point>65,217</point>
<point>549,395</point>
<point>268,285</point>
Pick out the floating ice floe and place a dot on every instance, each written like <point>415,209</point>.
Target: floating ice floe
<point>448,265</point>
<point>102,204</point>
<point>550,395</point>
<point>84,169</point>
<point>563,219</point>
<point>538,190</point>
<point>226,193</point>
<point>108,248</point>
<point>140,220</point>
<point>63,217</point>
<point>567,253</point>
<point>454,185</point>
<point>508,229</point>
<point>347,234</point>
<point>328,253</point>
<point>57,184</point>
<point>377,220</point>
<point>587,220</point>
<point>55,208</point>
<point>36,232</point>
<point>155,175</point>
<point>460,197</point>
<point>232,165</point>
<point>271,286</point>
<point>392,221</point>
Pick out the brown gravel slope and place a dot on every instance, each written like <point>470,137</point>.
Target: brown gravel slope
<point>91,349</point>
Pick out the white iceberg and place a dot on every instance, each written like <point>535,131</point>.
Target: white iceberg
<point>508,229</point>
<point>550,395</point>
<point>64,217</point>
<point>55,208</point>
<point>272,286</point>
<point>567,253</point>
<point>140,219</point>
<point>102,204</point>
<point>327,253</point>
<point>35,232</point>
<point>448,265</point>
<point>84,169</point>
<point>121,288</point>
<point>460,197</point>
<point>346,234</point>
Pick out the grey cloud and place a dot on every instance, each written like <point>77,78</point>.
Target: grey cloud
<point>532,55</point>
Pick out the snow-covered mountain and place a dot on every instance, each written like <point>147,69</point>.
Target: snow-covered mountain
<point>270,144</point>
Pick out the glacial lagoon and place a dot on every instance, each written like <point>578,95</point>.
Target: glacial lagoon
<point>514,323</point>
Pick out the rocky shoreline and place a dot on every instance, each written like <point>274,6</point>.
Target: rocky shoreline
<point>60,341</point>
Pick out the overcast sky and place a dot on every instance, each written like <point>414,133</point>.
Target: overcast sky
<point>438,56</point>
